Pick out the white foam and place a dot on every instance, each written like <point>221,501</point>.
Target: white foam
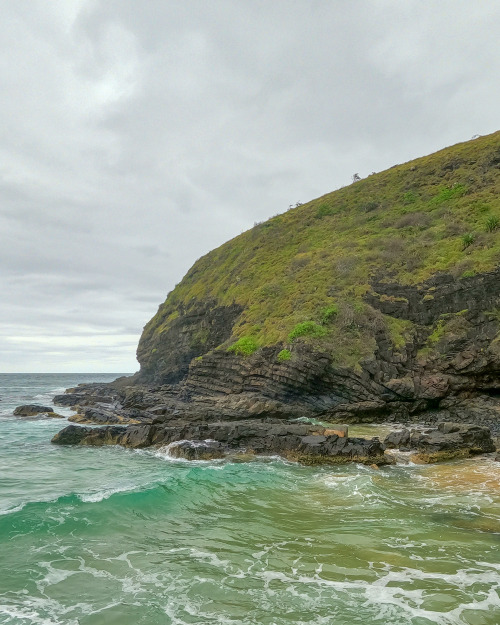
<point>164,453</point>
<point>26,615</point>
<point>12,510</point>
<point>106,493</point>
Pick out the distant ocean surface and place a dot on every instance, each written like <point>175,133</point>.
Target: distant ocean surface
<point>105,536</point>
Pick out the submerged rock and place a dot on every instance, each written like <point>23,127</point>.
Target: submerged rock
<point>52,415</point>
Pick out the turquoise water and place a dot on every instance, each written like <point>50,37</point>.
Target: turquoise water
<point>110,535</point>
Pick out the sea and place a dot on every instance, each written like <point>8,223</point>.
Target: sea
<point>105,536</point>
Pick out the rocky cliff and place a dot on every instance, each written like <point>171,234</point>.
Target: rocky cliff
<point>378,300</point>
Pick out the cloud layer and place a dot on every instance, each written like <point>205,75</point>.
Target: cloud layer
<point>138,136</point>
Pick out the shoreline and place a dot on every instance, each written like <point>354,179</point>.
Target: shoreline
<point>132,417</point>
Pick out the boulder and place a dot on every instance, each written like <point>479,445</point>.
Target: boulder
<point>71,435</point>
<point>78,435</point>
<point>30,410</point>
<point>397,439</point>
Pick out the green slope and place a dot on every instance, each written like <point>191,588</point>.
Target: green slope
<point>303,275</point>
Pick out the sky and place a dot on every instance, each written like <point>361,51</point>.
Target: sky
<point>138,136</point>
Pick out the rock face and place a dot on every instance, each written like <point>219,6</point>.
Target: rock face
<point>30,410</point>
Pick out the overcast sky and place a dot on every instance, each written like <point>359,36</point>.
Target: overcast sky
<point>136,136</point>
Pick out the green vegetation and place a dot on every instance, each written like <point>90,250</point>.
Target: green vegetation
<point>329,313</point>
<point>399,331</point>
<point>492,223</point>
<point>450,193</point>
<point>324,210</point>
<point>468,239</point>
<point>284,355</point>
<point>451,326</point>
<point>306,328</point>
<point>401,225</point>
<point>410,197</point>
<point>245,346</point>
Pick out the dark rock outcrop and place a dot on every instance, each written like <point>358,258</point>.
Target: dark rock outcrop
<point>78,435</point>
<point>198,450</point>
<point>454,437</point>
<point>305,443</point>
<point>30,410</point>
<point>448,370</point>
<point>167,354</point>
<point>448,440</point>
<point>399,439</point>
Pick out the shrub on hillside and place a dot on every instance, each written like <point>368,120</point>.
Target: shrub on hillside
<point>467,240</point>
<point>324,210</point>
<point>410,197</point>
<point>492,223</point>
<point>329,313</point>
<point>450,193</point>
<point>307,328</point>
<point>284,355</point>
<point>245,346</point>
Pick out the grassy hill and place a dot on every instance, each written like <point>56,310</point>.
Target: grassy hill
<point>309,274</point>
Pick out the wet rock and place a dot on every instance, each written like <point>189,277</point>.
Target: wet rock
<point>449,428</point>
<point>71,435</point>
<point>79,435</point>
<point>51,415</point>
<point>448,437</point>
<point>198,450</point>
<point>305,443</point>
<point>136,436</point>
<point>30,410</point>
<point>447,440</point>
<point>398,439</point>
<point>101,417</point>
<point>69,400</point>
